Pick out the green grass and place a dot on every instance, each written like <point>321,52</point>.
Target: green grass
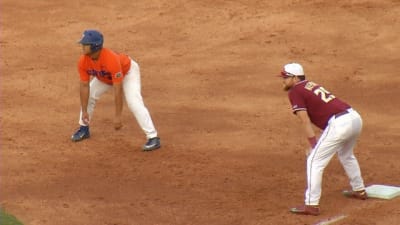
<point>7,219</point>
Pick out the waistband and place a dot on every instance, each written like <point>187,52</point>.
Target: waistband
<point>339,114</point>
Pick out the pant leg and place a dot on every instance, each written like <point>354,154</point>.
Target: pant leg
<point>339,136</point>
<point>97,88</point>
<point>346,154</point>
<point>317,161</point>
<point>132,89</point>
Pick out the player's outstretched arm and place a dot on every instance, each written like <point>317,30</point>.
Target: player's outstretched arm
<point>84,90</point>
<point>118,92</point>
<point>307,125</point>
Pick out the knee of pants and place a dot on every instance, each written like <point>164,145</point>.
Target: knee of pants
<point>94,96</point>
<point>134,101</point>
<point>92,100</point>
<point>136,107</point>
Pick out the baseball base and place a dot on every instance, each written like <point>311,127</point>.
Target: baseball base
<point>382,191</point>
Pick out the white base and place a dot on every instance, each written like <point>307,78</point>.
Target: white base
<point>383,191</point>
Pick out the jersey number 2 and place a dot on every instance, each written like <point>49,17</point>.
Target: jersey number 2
<point>325,95</point>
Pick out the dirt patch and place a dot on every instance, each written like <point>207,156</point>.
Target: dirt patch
<point>232,152</point>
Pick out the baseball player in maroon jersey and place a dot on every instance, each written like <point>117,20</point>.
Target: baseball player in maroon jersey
<point>341,126</point>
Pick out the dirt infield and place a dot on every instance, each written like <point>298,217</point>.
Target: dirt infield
<point>233,154</point>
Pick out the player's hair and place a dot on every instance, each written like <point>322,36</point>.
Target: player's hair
<point>303,77</point>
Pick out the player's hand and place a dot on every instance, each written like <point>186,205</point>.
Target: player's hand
<point>85,118</point>
<point>117,123</point>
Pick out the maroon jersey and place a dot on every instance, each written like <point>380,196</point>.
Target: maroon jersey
<point>319,103</point>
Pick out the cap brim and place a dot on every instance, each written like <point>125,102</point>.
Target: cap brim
<point>84,40</point>
<point>80,41</point>
<point>283,76</point>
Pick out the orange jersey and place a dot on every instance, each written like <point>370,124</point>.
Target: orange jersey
<point>109,68</point>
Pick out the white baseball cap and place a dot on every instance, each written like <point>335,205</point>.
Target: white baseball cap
<point>292,69</point>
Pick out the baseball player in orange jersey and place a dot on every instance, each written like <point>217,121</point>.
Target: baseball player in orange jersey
<point>341,126</point>
<point>110,70</point>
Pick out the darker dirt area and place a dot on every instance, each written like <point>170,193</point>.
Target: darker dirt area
<point>233,154</point>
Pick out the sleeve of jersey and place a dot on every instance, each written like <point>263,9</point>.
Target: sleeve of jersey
<point>297,101</point>
<point>84,76</point>
<point>116,71</point>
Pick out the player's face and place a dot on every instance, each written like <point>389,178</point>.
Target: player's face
<point>288,83</point>
<point>86,49</point>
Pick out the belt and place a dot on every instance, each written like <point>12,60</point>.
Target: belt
<point>337,115</point>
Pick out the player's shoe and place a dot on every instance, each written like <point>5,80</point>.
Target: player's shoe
<point>306,210</point>
<point>81,133</point>
<point>356,194</point>
<point>152,144</point>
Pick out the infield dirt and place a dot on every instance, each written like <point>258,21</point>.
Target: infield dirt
<point>232,151</point>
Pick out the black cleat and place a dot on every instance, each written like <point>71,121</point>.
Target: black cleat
<point>152,144</point>
<point>81,133</point>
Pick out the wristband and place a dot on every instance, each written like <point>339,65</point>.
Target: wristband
<point>312,141</point>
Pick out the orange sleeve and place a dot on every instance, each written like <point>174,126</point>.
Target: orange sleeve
<point>82,67</point>
<point>125,63</point>
<point>114,67</point>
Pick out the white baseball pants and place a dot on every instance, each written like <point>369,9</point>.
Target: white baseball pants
<point>132,89</point>
<point>339,137</point>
